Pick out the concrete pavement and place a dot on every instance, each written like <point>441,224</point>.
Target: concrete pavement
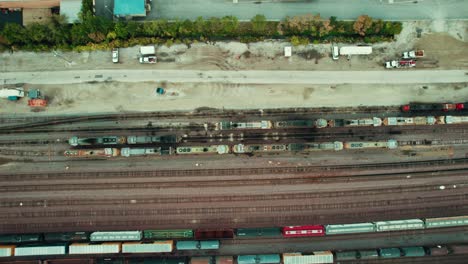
<point>240,77</point>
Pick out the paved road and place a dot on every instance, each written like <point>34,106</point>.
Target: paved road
<point>242,77</point>
<point>343,9</point>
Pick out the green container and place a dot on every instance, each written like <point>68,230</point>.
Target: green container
<point>346,255</point>
<point>446,221</point>
<point>41,250</point>
<point>25,238</point>
<point>163,234</point>
<point>390,252</point>
<point>413,251</point>
<point>210,244</point>
<point>349,228</point>
<point>368,254</point>
<point>187,245</point>
<point>259,259</point>
<point>258,232</point>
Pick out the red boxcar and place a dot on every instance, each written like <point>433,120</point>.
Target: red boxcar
<point>214,233</point>
<point>303,231</point>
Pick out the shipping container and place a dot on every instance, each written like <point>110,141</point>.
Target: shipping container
<point>259,259</point>
<point>346,255</point>
<point>438,251</point>
<point>368,254</point>
<point>258,232</point>
<point>315,257</point>
<point>24,238</point>
<point>154,247</point>
<point>179,260</point>
<point>209,244</point>
<point>399,225</point>
<point>162,234</point>
<point>68,236</point>
<point>116,236</point>
<point>390,252</point>
<point>214,233</point>
<point>187,245</point>
<point>413,251</point>
<point>41,250</point>
<point>104,248</point>
<point>7,250</point>
<point>349,228</point>
<point>303,231</point>
<point>446,221</point>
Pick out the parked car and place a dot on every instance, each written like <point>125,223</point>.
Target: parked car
<point>115,55</point>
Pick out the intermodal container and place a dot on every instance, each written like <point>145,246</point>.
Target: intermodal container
<point>258,232</point>
<point>259,259</point>
<point>162,234</point>
<point>303,231</point>
<point>413,251</point>
<point>40,250</point>
<point>155,247</point>
<point>446,221</point>
<point>68,236</point>
<point>116,236</point>
<point>390,252</point>
<point>104,248</point>
<point>7,250</point>
<point>315,257</point>
<point>214,233</point>
<point>368,254</point>
<point>349,228</point>
<point>399,225</point>
<point>346,255</point>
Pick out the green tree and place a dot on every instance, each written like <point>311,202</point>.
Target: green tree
<point>121,30</point>
<point>59,30</point>
<point>14,34</point>
<point>259,24</point>
<point>362,24</point>
<point>229,24</point>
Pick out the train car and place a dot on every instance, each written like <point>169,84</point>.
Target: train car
<point>116,236</point>
<point>322,123</point>
<point>390,144</point>
<point>197,245</point>
<point>110,261</point>
<point>150,247</point>
<point>368,254</point>
<point>258,232</point>
<point>67,236</point>
<point>446,221</point>
<point>107,140</point>
<point>164,234</point>
<point>132,140</point>
<point>138,152</point>
<point>398,225</point>
<point>7,250</point>
<point>303,147</point>
<point>178,260</point>
<point>349,228</point>
<point>212,260</point>
<point>294,124</point>
<point>23,238</point>
<point>459,249</point>
<point>413,251</point>
<point>214,233</point>
<point>228,125</point>
<point>438,251</point>
<point>303,231</point>
<point>251,148</point>
<point>362,122</point>
<point>92,153</point>
<point>315,257</point>
<point>259,259</point>
<point>456,120</point>
<point>389,252</point>
<point>346,255</point>
<point>41,250</point>
<point>86,248</point>
<point>214,149</point>
<point>412,121</point>
<point>416,107</point>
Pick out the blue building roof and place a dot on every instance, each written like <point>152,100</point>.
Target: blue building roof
<point>129,8</point>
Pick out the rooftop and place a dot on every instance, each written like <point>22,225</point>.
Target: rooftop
<point>129,8</point>
<point>71,9</point>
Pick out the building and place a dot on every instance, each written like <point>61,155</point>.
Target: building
<point>129,8</point>
<point>71,9</point>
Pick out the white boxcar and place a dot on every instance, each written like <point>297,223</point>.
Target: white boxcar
<point>116,236</point>
<point>40,250</point>
<point>316,257</point>
<point>349,228</point>
<point>399,225</point>
<point>446,221</point>
<point>155,247</point>
<point>6,251</point>
<point>105,248</point>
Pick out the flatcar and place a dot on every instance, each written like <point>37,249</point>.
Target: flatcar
<point>303,231</point>
<point>390,144</point>
<point>254,148</point>
<point>164,234</point>
<point>259,259</point>
<point>294,124</point>
<point>228,125</point>
<point>214,233</point>
<point>315,257</point>
<point>258,232</point>
<point>214,149</point>
<point>107,140</point>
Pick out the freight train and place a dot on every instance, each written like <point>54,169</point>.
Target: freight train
<point>418,107</point>
<point>121,140</point>
<point>115,152</point>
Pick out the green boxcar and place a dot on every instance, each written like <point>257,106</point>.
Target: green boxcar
<point>187,245</point>
<point>413,251</point>
<point>163,234</point>
<point>24,238</point>
<point>180,260</point>
<point>258,232</point>
<point>209,244</point>
<point>368,254</point>
<point>67,236</point>
<point>346,255</point>
<point>349,228</point>
<point>390,252</point>
<point>259,259</point>
<point>446,221</point>
<point>398,225</point>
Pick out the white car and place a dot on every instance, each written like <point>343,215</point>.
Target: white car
<point>115,55</point>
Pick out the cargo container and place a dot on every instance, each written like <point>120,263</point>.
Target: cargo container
<point>368,254</point>
<point>346,255</point>
<point>251,148</point>
<point>294,123</point>
<point>390,144</point>
<point>390,252</point>
<point>413,251</point>
<point>67,236</point>
<point>116,236</point>
<point>303,231</point>
<point>315,257</point>
<point>209,244</point>
<point>104,248</point>
<point>349,228</point>
<point>41,250</point>
<point>179,260</point>
<point>212,260</point>
<point>135,152</point>
<point>151,139</point>
<point>24,238</point>
<point>141,247</point>
<point>7,250</point>
<point>227,125</point>
<point>259,259</point>
<point>214,149</point>
<point>194,245</point>
<point>258,232</point>
<point>162,234</point>
<point>410,121</point>
<point>214,233</point>
<point>107,140</point>
<point>438,251</point>
<point>399,225</point>
<point>446,221</point>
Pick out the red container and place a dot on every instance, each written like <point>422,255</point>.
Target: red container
<point>303,231</point>
<point>214,233</point>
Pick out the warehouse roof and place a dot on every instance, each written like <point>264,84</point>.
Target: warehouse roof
<point>129,8</point>
<point>71,9</point>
